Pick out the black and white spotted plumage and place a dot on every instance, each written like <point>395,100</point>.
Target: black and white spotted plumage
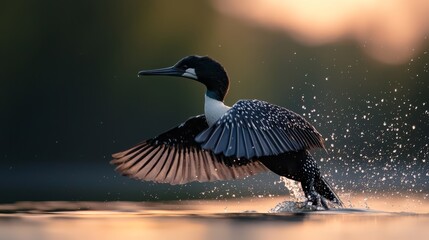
<point>175,157</point>
<point>254,128</point>
<point>229,149</point>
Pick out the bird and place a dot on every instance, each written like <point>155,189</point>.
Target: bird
<point>228,142</point>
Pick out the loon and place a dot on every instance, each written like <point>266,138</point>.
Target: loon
<point>227,143</point>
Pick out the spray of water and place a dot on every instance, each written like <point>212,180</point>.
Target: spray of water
<point>294,188</point>
<point>377,142</point>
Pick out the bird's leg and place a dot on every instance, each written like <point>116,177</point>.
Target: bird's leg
<point>313,198</point>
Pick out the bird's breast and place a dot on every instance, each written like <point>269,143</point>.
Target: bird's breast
<point>214,110</point>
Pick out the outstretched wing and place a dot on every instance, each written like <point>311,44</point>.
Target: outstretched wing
<point>253,128</point>
<point>174,157</point>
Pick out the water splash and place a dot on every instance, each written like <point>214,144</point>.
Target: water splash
<point>298,201</point>
<point>288,207</point>
<point>371,140</point>
<point>295,189</point>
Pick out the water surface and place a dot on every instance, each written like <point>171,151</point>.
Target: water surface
<point>400,218</point>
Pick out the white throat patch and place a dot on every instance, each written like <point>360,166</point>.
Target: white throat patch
<point>190,72</point>
<point>214,110</point>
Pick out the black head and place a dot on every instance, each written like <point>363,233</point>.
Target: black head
<point>202,69</point>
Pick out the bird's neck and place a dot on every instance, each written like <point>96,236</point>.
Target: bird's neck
<point>213,109</point>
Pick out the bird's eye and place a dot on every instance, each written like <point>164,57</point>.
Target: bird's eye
<point>185,66</point>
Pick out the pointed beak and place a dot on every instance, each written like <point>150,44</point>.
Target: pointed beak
<point>169,71</point>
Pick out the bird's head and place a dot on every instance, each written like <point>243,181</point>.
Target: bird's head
<point>202,69</point>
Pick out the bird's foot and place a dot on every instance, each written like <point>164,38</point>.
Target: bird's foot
<point>316,202</point>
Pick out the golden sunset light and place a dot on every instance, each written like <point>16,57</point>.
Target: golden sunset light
<point>389,31</point>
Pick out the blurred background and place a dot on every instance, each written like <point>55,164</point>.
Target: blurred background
<point>70,97</point>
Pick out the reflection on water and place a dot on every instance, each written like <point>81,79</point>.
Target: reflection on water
<point>229,219</point>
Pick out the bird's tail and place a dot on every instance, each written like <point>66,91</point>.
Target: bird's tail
<point>326,190</point>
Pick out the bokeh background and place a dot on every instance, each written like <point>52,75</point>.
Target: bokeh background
<point>69,95</point>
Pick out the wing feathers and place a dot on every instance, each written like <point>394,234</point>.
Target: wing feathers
<point>247,143</point>
<point>174,157</point>
<point>255,143</point>
<point>213,140</point>
<point>230,148</point>
<point>194,151</point>
<point>258,129</point>
<point>223,141</point>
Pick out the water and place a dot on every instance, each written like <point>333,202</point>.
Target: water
<point>400,218</point>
